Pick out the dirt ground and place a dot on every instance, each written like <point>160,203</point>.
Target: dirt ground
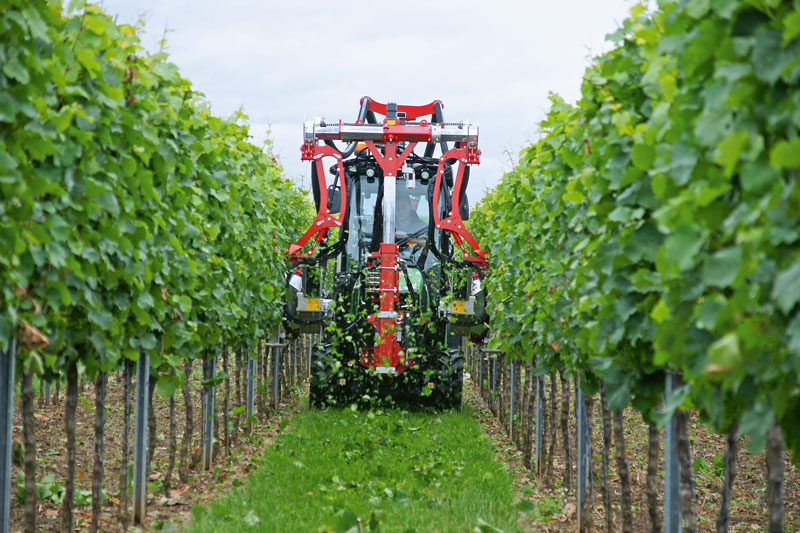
<point>162,512</point>
<point>554,509</point>
<point>550,509</point>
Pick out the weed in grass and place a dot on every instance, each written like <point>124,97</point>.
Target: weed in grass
<point>542,509</point>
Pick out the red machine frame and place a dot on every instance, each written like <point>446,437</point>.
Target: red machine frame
<point>388,354</point>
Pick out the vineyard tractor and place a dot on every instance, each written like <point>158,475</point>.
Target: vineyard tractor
<point>388,274</point>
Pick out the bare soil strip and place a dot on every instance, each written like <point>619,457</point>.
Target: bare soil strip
<point>161,510</point>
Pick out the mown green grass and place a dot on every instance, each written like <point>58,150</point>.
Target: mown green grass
<point>346,470</point>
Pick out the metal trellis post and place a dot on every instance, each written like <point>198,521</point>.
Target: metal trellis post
<point>295,372</point>
<point>275,345</point>
<point>511,406</point>
<point>276,372</point>
<point>583,459</point>
<point>539,424</point>
<point>208,415</point>
<point>310,343</point>
<point>672,502</point>
<point>140,438</point>
<point>480,372</point>
<point>7,363</point>
<point>251,382</point>
<point>494,378</point>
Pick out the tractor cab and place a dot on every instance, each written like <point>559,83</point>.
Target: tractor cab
<point>365,222</point>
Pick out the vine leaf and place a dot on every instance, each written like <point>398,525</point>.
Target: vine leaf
<point>786,290</point>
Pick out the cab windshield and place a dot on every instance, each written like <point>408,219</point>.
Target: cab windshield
<point>412,214</point>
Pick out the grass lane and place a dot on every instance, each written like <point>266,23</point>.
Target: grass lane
<point>342,470</point>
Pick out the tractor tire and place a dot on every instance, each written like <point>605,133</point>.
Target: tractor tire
<point>317,379</point>
<point>335,382</point>
<point>320,387</point>
<point>440,381</point>
<point>450,380</point>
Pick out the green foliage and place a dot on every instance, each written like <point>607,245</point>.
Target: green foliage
<point>654,226</point>
<point>131,218</point>
<point>50,489</point>
<point>542,509</point>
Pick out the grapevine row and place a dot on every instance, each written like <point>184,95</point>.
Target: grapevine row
<point>652,230</point>
<point>132,220</point>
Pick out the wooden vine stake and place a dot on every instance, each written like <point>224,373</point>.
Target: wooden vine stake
<point>672,502</point>
<point>775,478</point>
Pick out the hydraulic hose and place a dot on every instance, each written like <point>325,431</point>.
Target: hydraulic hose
<point>362,115</point>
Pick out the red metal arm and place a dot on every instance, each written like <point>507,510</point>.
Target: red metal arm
<point>324,220</point>
<point>453,222</point>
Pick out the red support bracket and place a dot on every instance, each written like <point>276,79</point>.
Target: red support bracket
<point>473,154</point>
<point>390,163</point>
<point>308,150</point>
<point>396,131</point>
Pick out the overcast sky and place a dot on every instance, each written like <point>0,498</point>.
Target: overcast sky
<point>492,61</point>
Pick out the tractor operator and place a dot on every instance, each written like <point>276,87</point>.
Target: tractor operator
<point>407,222</point>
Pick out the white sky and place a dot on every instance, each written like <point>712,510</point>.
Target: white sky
<point>493,62</point>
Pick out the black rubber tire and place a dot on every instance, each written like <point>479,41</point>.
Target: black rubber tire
<point>323,388</point>
<point>333,382</point>
<point>435,382</point>
<point>320,377</point>
<point>450,380</point>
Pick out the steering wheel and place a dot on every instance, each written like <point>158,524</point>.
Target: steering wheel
<point>411,246</point>
<point>403,236</point>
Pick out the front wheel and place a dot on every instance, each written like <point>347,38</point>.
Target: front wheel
<point>451,380</point>
<point>442,380</point>
<point>320,381</point>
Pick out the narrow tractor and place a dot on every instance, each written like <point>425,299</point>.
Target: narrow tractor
<point>388,274</point>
